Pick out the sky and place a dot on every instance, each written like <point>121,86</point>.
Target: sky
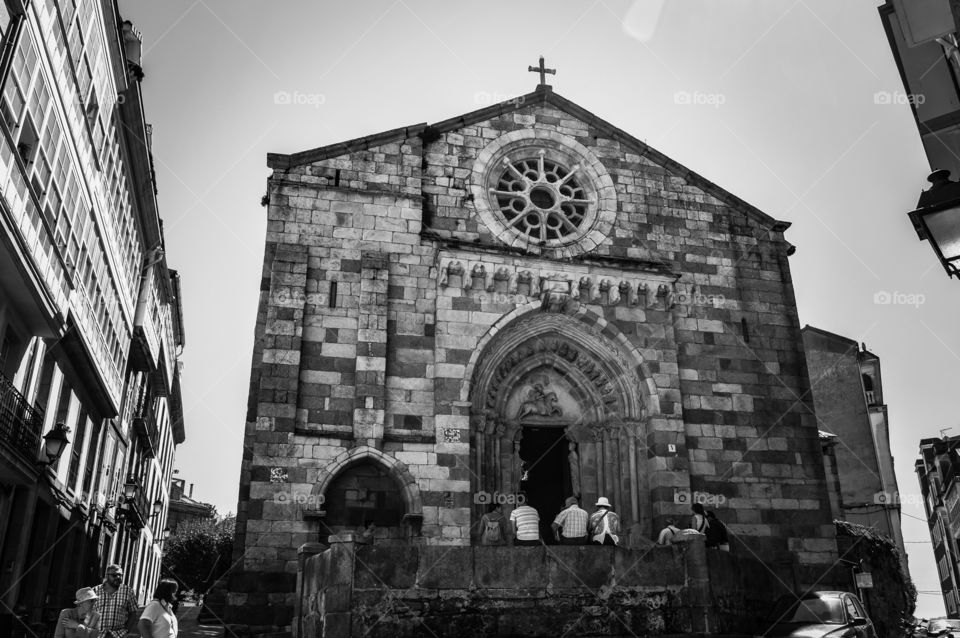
<point>793,105</point>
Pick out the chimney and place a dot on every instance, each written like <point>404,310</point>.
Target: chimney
<point>132,50</point>
<point>132,43</point>
<point>190,493</point>
<point>176,489</point>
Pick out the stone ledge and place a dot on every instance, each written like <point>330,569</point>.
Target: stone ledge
<point>407,436</point>
<point>325,431</point>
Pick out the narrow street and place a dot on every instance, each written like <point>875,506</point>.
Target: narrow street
<point>190,628</point>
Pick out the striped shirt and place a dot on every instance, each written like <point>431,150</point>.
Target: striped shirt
<point>573,520</point>
<point>114,609</point>
<point>527,521</point>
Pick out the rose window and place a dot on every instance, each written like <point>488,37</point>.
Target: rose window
<point>541,199</point>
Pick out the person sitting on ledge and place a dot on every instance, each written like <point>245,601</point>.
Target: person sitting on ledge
<point>717,533</point>
<point>604,524</point>
<point>573,520</point>
<point>669,533</point>
<point>526,523</point>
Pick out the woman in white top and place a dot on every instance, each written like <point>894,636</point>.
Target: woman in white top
<point>158,619</point>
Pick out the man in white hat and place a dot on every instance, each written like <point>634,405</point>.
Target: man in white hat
<point>81,621</point>
<point>604,524</point>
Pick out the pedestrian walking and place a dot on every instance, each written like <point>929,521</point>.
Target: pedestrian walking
<point>573,522</point>
<point>116,604</point>
<point>158,619</point>
<point>82,620</point>
<point>604,524</point>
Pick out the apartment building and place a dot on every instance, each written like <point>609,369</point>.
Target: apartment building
<point>91,322</point>
<point>938,469</point>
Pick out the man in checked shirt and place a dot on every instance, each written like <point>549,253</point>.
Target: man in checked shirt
<point>117,604</point>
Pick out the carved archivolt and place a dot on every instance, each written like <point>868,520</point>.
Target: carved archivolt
<point>594,372</point>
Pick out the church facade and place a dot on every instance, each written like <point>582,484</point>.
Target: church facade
<point>520,303</point>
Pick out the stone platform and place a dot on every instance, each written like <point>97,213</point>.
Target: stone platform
<point>398,592</point>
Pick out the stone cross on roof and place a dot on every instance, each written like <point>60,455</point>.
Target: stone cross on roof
<point>542,70</point>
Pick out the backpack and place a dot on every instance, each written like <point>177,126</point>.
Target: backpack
<point>491,532</point>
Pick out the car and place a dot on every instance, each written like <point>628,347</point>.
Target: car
<point>943,626</point>
<point>822,614</point>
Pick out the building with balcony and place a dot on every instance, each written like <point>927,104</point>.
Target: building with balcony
<point>91,323</point>
<point>938,470</point>
<point>847,392</point>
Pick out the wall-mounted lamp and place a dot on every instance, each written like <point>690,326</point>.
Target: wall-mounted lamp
<point>937,219</point>
<point>130,488</point>
<point>55,442</point>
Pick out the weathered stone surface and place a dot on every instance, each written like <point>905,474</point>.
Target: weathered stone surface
<point>696,590</point>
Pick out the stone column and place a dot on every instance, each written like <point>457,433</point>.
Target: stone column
<point>597,432</point>
<point>370,405</point>
<point>299,605</point>
<point>634,478</point>
<point>337,593</point>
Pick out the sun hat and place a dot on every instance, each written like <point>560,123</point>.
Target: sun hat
<point>84,594</point>
<point>602,501</point>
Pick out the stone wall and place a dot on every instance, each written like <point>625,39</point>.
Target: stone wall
<point>351,590</point>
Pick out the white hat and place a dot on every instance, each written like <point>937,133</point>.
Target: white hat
<point>602,501</point>
<point>84,594</point>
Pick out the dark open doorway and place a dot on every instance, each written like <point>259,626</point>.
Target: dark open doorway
<point>544,452</point>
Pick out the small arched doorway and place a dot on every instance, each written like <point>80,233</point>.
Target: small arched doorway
<point>365,485</point>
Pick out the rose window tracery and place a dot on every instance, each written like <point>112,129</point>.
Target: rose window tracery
<point>541,198</point>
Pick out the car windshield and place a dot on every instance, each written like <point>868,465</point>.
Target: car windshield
<point>942,624</point>
<point>809,610</point>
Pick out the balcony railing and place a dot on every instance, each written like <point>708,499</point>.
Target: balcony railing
<point>21,424</point>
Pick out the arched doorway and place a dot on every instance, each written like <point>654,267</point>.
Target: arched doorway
<point>558,409</point>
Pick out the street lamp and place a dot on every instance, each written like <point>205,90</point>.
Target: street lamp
<point>130,488</point>
<point>157,507</point>
<point>54,442</point>
<point>937,219</point>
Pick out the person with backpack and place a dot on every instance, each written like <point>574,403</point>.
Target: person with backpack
<point>573,521</point>
<point>493,526</point>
